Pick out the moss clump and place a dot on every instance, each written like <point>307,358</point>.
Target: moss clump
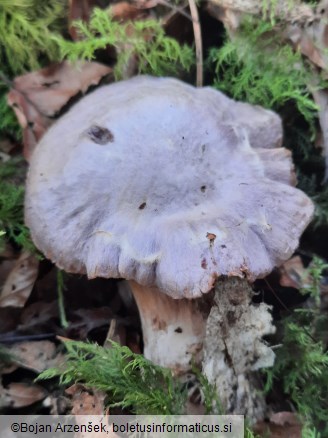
<point>302,360</point>
<point>319,195</point>
<point>156,53</point>
<point>12,206</point>
<point>257,67</point>
<point>130,380</point>
<point>8,121</point>
<point>26,27</point>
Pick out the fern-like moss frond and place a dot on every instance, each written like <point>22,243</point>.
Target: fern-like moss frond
<point>319,195</point>
<point>12,207</point>
<point>257,67</point>
<point>25,30</point>
<point>130,380</point>
<point>156,53</point>
<point>8,121</point>
<point>26,27</point>
<point>302,361</point>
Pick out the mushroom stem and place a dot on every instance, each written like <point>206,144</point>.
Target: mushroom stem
<point>173,330</point>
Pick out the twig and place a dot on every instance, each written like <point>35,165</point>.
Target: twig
<point>12,338</point>
<point>321,99</point>
<point>277,297</point>
<point>175,9</point>
<point>61,306</point>
<point>198,42</point>
<point>153,3</point>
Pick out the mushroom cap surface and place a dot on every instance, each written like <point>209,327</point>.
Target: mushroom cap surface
<point>154,180</point>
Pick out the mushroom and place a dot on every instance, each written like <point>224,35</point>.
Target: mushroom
<point>170,187</point>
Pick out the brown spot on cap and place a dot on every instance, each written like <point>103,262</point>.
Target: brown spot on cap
<point>211,237</point>
<point>204,263</point>
<point>142,206</point>
<point>100,135</point>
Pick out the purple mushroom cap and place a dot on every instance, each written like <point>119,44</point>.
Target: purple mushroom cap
<point>171,186</point>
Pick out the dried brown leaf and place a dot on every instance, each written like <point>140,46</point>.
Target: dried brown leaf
<point>6,267</point>
<point>7,252</point>
<point>87,403</point>
<point>124,11</point>
<point>40,316</point>
<point>294,274</point>
<point>285,418</point>
<point>20,281</point>
<point>7,146</point>
<point>311,38</point>
<point>83,321</point>
<point>39,96</point>
<point>36,355</point>
<point>9,319</point>
<point>281,425</point>
<point>18,395</point>
<point>79,10</point>
<point>264,429</point>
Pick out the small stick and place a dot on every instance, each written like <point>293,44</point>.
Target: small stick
<point>61,306</point>
<point>198,42</point>
<point>12,338</point>
<point>152,3</point>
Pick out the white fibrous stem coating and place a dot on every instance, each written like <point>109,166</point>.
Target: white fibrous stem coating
<point>234,348</point>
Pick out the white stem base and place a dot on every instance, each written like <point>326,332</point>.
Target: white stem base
<point>173,330</point>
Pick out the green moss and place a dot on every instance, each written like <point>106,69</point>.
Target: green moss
<point>131,381</point>
<point>258,67</point>
<point>12,207</point>
<point>25,30</point>
<point>8,121</point>
<point>255,66</point>
<point>6,357</point>
<point>155,52</point>
<point>319,195</point>
<point>250,434</point>
<point>26,27</point>
<point>302,360</point>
